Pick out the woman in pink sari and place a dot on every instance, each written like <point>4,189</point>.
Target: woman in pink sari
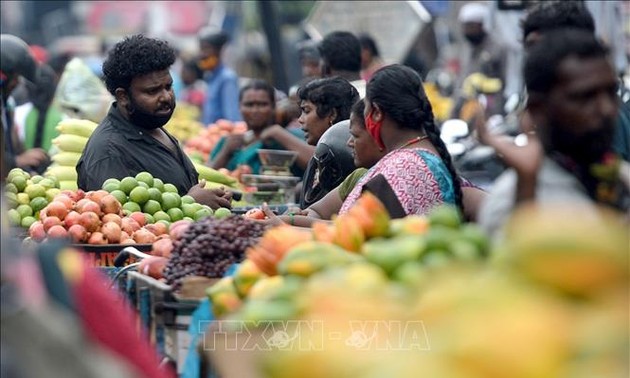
<point>417,173</point>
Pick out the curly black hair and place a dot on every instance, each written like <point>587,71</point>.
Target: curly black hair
<point>135,56</point>
<point>341,50</point>
<point>550,15</point>
<point>328,94</point>
<point>540,69</point>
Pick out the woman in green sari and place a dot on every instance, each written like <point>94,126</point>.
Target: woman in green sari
<point>257,104</point>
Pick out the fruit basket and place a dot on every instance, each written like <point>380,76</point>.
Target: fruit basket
<point>276,190</point>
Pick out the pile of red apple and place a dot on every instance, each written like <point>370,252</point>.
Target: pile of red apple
<point>94,217</point>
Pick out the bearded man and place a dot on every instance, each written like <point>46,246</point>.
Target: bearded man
<point>131,138</point>
<point>573,105</point>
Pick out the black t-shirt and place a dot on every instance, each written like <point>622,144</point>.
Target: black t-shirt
<point>118,149</point>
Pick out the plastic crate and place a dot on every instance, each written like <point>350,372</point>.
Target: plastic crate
<point>102,256</point>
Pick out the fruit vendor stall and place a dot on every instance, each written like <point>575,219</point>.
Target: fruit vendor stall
<point>363,295</point>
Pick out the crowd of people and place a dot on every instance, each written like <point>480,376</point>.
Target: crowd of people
<point>358,123</point>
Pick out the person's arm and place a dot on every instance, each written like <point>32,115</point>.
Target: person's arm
<point>472,198</point>
<point>526,160</point>
<point>295,220</point>
<point>326,207</point>
<point>290,142</point>
<point>226,148</point>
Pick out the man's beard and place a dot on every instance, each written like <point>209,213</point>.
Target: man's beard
<point>148,121</point>
<point>584,149</point>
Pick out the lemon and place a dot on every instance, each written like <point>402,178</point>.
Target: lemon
<point>149,218</point>
<point>145,177</point>
<point>24,211</point>
<point>28,221</point>
<point>203,213</point>
<point>52,193</point>
<point>175,214</point>
<point>38,203</point>
<point>155,194</point>
<point>170,188</point>
<point>47,183</point>
<point>187,199</point>
<point>35,190</point>
<point>222,212</point>
<point>111,186</point>
<point>15,219</point>
<point>110,181</point>
<point>36,179</point>
<point>161,215</point>
<point>158,184</point>
<point>170,200</point>
<point>132,207</point>
<point>151,207</point>
<point>53,179</point>
<point>189,219</point>
<point>23,198</point>
<point>127,184</point>
<point>189,210</point>
<point>11,188</point>
<point>143,185</point>
<point>19,182</point>
<point>120,196</point>
<point>139,195</point>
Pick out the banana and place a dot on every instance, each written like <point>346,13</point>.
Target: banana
<point>68,159</point>
<point>80,127</point>
<point>70,143</point>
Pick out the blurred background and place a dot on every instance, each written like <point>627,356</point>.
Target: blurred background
<point>266,35</point>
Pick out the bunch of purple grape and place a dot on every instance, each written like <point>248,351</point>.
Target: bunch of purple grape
<point>210,246</point>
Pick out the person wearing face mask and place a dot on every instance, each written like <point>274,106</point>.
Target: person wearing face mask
<point>481,52</point>
<point>223,90</point>
<point>131,138</point>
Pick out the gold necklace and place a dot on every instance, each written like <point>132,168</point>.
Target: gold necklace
<point>412,141</point>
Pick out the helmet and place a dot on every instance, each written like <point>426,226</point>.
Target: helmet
<point>16,58</point>
<point>331,163</point>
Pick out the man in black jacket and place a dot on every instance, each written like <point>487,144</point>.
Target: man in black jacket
<point>130,139</point>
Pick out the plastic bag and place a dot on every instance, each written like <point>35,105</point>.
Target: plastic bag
<point>81,94</point>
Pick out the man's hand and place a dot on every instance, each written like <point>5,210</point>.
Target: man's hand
<point>525,159</point>
<point>31,158</point>
<point>214,198</point>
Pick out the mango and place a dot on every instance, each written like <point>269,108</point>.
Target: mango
<point>310,257</point>
<point>223,297</point>
<point>389,254</point>
<point>348,233</point>
<point>246,276</point>
<point>409,225</point>
<point>572,250</point>
<point>371,215</point>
